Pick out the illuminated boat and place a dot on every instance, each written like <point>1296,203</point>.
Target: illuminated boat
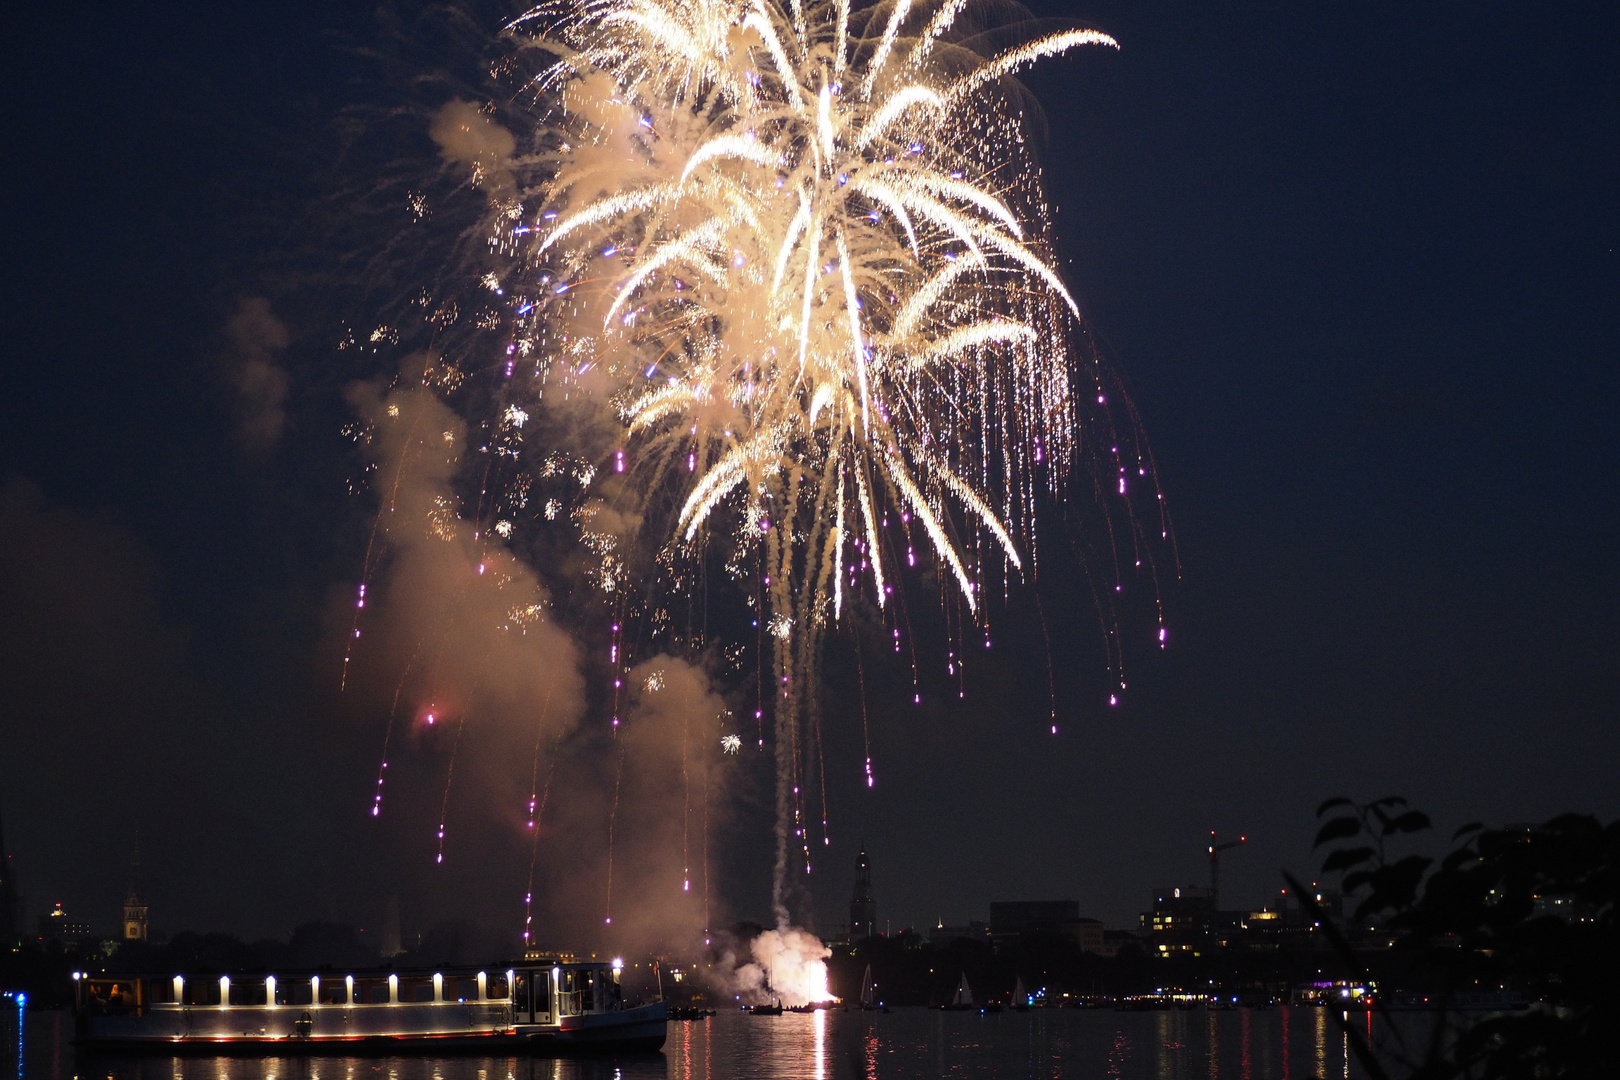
<point>534,1007</point>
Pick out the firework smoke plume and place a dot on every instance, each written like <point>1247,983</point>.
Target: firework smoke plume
<point>772,288</point>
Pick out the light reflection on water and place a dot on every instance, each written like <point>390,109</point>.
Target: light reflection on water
<point>1240,1044</point>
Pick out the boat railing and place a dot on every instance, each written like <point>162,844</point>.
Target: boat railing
<point>136,995</point>
<point>568,991</point>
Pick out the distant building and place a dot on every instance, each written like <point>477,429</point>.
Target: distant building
<point>1297,925</point>
<point>1115,940</point>
<point>1329,900</point>
<point>1087,933</point>
<point>976,930</point>
<point>60,927</point>
<point>862,906</point>
<point>1264,919</point>
<point>135,928</point>
<point>1566,907</point>
<point>1186,921</point>
<point>1009,918</point>
<point>1182,920</point>
<point>134,917</point>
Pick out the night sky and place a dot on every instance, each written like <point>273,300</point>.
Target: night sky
<point>1355,263</point>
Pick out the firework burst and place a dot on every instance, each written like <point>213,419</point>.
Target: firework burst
<point>778,282</point>
<point>803,250</point>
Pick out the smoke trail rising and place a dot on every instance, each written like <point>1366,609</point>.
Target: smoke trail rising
<point>771,290</point>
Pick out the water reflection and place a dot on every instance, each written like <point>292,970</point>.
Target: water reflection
<point>1321,1041</point>
<point>150,1067</point>
<point>1286,1014</point>
<point>1237,1044</point>
<point>821,1046</point>
<point>1245,1062</point>
<point>1118,1054</point>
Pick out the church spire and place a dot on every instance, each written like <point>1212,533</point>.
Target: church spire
<point>135,928</point>
<point>862,906</point>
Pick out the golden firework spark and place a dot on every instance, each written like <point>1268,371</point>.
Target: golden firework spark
<point>803,248</point>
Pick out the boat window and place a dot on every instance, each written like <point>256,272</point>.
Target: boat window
<point>292,992</point>
<point>460,988</point>
<point>247,992</point>
<point>371,991</point>
<point>201,991</point>
<point>520,992</point>
<point>496,988</point>
<point>334,992</point>
<point>160,991</point>
<point>578,985</point>
<point>612,994</point>
<point>115,996</point>
<point>416,988</point>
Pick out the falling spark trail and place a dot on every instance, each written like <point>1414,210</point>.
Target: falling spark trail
<point>801,255</point>
<point>866,728</point>
<point>449,777</point>
<point>534,772</point>
<point>613,822</point>
<point>368,564</point>
<point>534,849</point>
<point>388,731</point>
<point>1051,679</point>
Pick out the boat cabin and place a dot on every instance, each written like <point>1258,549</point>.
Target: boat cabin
<point>524,1001</point>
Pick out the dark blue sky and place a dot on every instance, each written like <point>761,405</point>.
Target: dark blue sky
<point>1355,263</point>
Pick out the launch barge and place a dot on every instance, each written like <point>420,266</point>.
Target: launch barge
<point>529,1008</point>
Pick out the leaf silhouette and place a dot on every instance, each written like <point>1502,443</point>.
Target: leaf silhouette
<point>1345,858</point>
<point>1341,828</point>
<point>1411,821</point>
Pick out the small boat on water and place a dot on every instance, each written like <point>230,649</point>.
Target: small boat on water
<point>542,1008</point>
<point>869,998</point>
<point>962,1001</point>
<point>689,1012</point>
<point>1020,996</point>
<point>772,1009</point>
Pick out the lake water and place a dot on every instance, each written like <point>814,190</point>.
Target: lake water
<point>1241,1044</point>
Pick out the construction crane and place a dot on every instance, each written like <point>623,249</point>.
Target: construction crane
<point>1215,849</point>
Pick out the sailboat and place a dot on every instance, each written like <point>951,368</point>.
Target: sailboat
<point>1020,998</point>
<point>868,991</point>
<point>964,997</point>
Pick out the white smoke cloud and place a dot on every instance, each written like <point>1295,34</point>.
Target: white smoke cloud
<point>456,627</point>
<point>789,965</point>
<point>256,339</point>
<point>457,623</point>
<point>468,137</point>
